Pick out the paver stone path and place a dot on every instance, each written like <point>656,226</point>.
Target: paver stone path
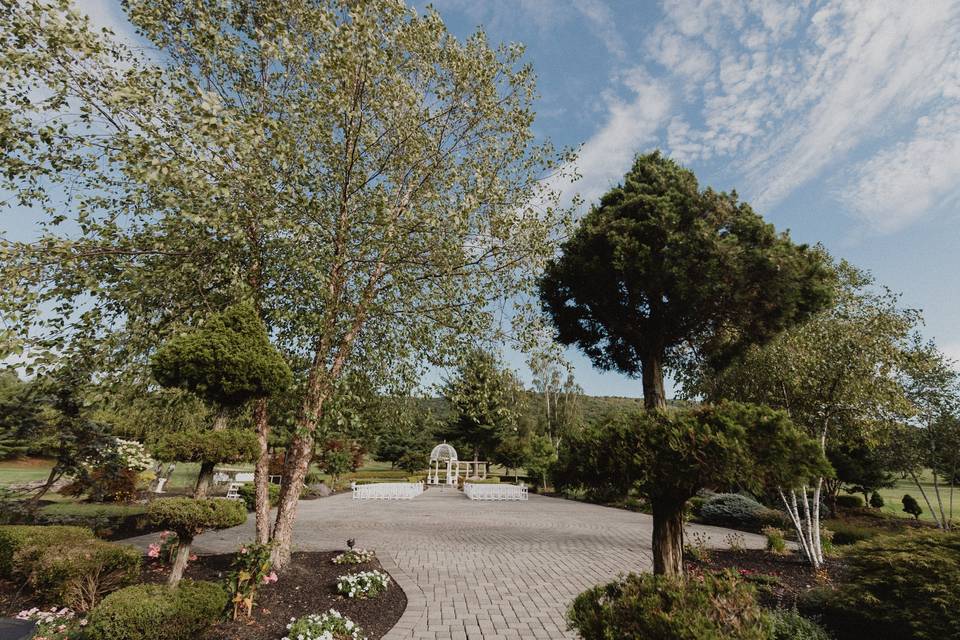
<point>478,570</point>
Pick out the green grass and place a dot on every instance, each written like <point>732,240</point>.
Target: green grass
<point>892,496</point>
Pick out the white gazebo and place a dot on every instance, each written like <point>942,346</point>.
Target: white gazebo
<point>447,455</point>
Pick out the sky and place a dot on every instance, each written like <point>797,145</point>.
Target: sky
<point>838,120</point>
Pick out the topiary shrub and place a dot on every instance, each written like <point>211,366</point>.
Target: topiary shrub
<point>738,511</point>
<point>248,493</point>
<point>904,587</point>
<point>849,502</point>
<point>876,500</point>
<point>230,446</point>
<point>158,612</point>
<point>845,533</point>
<point>188,517</point>
<point>786,624</point>
<point>911,506</point>
<point>648,607</point>
<point>14,537</point>
<point>79,574</point>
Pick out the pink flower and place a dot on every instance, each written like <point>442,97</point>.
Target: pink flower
<point>243,550</point>
<point>164,535</point>
<point>153,551</point>
<point>270,578</point>
<point>193,557</point>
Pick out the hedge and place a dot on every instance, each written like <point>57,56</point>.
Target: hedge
<point>248,493</point>
<point>849,502</point>
<point>157,612</point>
<point>79,574</point>
<point>14,537</point>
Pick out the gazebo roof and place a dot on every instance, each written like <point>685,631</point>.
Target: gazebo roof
<point>443,452</point>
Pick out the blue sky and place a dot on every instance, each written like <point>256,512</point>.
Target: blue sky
<point>838,119</point>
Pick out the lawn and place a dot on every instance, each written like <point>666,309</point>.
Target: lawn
<point>893,495</point>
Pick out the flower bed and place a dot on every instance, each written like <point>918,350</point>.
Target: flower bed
<point>366,584</point>
<point>330,625</point>
<point>355,556</point>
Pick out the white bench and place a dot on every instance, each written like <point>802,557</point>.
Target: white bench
<point>495,491</point>
<point>386,490</point>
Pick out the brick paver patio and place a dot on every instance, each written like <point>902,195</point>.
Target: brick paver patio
<point>478,570</point>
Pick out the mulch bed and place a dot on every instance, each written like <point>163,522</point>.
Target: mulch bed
<point>307,585</point>
<point>780,579</point>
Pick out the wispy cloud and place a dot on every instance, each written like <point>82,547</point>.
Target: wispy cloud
<point>785,93</point>
<point>900,183</point>
<point>630,124</point>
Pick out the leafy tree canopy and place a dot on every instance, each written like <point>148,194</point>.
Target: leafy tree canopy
<point>660,267</point>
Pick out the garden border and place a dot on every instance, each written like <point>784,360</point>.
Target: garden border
<point>416,610</point>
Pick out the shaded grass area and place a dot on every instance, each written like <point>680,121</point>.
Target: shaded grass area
<point>893,495</point>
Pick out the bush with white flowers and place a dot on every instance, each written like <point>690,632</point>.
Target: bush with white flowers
<point>365,584</point>
<point>55,623</point>
<point>132,454</point>
<point>331,625</point>
<point>355,556</point>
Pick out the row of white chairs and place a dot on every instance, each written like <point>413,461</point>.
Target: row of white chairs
<point>387,490</point>
<point>495,491</point>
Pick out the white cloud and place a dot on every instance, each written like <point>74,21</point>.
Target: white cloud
<point>629,126</point>
<point>785,91</point>
<point>603,24</point>
<point>899,184</point>
<point>108,14</point>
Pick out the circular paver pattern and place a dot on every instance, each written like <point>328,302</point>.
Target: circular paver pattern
<point>479,570</point>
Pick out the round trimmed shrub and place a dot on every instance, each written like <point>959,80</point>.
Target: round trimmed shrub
<point>904,587</point>
<point>648,607</point>
<point>231,446</point>
<point>187,517</point>
<point>787,624</point>
<point>849,502</point>
<point>157,612</point>
<point>876,500</point>
<point>228,360</point>
<point>738,511</point>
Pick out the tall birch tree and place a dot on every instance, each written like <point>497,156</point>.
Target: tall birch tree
<point>367,181</point>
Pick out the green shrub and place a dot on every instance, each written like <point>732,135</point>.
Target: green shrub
<point>911,506</point>
<point>14,537</point>
<point>849,502</point>
<point>189,516</point>
<point>738,511</point>
<point>648,607</point>
<point>157,612</point>
<point>490,480</point>
<point>695,504</point>
<point>248,493</point>
<point>776,542</point>
<point>904,587</point>
<point>876,500</point>
<point>790,625</point>
<point>79,574</point>
<point>313,477</point>
<point>845,533</point>
<point>231,446</point>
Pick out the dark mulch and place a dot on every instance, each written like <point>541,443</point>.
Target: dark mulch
<point>780,579</point>
<point>307,585</point>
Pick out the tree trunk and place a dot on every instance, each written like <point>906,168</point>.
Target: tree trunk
<point>295,470</point>
<point>654,397</point>
<point>261,473</point>
<point>923,493</point>
<point>667,538</point>
<point>205,478</point>
<point>180,561</point>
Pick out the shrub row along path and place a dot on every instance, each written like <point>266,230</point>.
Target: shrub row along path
<point>478,570</point>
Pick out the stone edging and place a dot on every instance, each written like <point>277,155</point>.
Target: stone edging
<point>416,609</point>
